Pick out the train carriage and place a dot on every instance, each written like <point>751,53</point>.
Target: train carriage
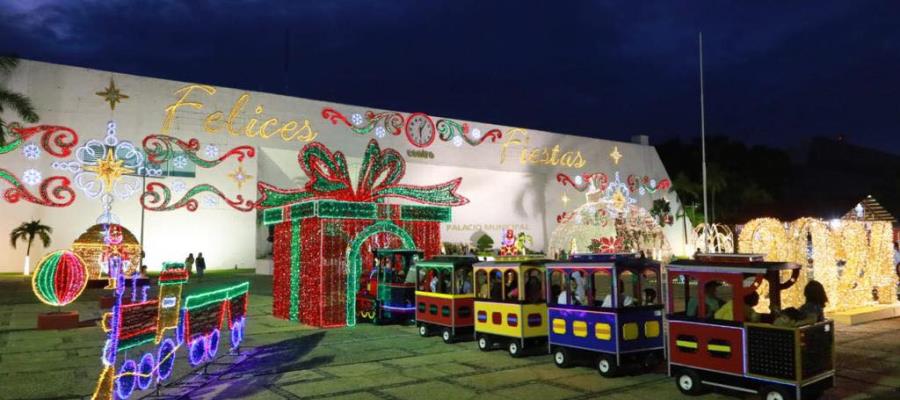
<point>716,338</point>
<point>510,305</point>
<point>445,297</point>
<point>605,307</point>
<point>387,293</point>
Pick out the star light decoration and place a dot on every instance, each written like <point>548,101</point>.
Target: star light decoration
<point>615,155</point>
<point>618,197</point>
<point>108,169</point>
<point>112,94</point>
<point>239,176</point>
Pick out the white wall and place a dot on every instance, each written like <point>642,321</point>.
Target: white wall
<point>501,193</point>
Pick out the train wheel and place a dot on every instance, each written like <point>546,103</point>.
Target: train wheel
<point>212,344</point>
<point>197,350</point>
<point>561,357</point>
<point>423,330</point>
<point>688,382</point>
<point>514,349</point>
<point>127,379</point>
<point>166,358</point>
<point>484,344</point>
<point>237,333</point>
<point>145,371</point>
<point>775,393</point>
<point>446,335</point>
<point>607,365</point>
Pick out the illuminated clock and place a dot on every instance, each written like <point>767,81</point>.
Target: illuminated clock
<point>420,130</point>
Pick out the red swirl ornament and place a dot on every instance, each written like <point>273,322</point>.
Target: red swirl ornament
<point>57,141</point>
<point>601,181</point>
<point>55,191</point>
<point>159,149</point>
<point>158,197</point>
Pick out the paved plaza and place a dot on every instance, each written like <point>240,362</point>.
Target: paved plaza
<point>282,360</point>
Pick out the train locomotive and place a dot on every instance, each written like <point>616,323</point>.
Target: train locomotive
<point>605,307</point>
<point>167,322</point>
<point>728,345</point>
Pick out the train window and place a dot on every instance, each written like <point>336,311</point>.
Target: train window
<point>649,288</point>
<point>511,286</point>
<point>603,282</point>
<point>481,279</point>
<point>534,286</point>
<point>496,285</point>
<point>557,282</point>
<point>628,286</point>
<point>575,290</point>
<point>463,281</point>
<point>722,295</point>
<point>684,289</point>
<point>424,279</point>
<point>443,282</point>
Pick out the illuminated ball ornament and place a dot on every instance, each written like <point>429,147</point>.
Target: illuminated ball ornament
<point>60,278</point>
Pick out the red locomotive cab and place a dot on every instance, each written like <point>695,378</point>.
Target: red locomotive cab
<point>719,336</point>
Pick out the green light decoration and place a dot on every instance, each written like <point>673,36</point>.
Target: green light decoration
<point>354,259</point>
<point>216,296</point>
<point>152,200</point>
<point>295,270</point>
<point>329,180</point>
<point>333,209</point>
<point>159,149</point>
<point>11,146</point>
<point>59,278</point>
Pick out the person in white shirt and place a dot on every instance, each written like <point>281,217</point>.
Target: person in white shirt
<point>627,301</point>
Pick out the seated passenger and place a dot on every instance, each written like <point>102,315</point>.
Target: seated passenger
<point>433,284</point>
<point>512,286</point>
<point>626,300</point>
<point>496,286</point>
<point>751,300</point>
<point>555,291</point>
<point>484,290</point>
<point>812,311</point>
<point>466,286</point>
<point>649,297</point>
<point>713,303</point>
<point>579,295</point>
<point>533,289</point>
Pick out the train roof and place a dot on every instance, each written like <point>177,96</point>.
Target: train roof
<point>531,260</point>
<point>730,263</point>
<point>397,251</point>
<point>447,262</point>
<point>622,260</point>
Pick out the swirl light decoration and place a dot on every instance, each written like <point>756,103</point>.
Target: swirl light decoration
<point>392,122</point>
<point>59,278</point>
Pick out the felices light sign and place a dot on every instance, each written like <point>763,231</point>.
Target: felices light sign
<point>256,126</point>
<point>539,155</point>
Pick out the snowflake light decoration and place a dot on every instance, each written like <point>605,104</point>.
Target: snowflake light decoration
<point>356,119</point>
<point>107,167</point>
<point>457,141</point>
<point>210,201</point>
<point>476,133</point>
<point>180,162</point>
<point>179,186</point>
<point>380,132</point>
<point>31,177</point>
<point>211,150</point>
<point>31,151</point>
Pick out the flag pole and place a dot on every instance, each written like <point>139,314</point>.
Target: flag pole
<point>703,148</point>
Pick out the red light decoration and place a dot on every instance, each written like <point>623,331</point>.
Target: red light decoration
<point>394,123</point>
<point>59,278</point>
<point>55,191</point>
<point>57,141</point>
<point>312,273</point>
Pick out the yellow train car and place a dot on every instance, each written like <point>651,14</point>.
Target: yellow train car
<point>511,304</point>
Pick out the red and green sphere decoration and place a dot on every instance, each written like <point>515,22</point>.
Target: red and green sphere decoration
<point>60,278</point>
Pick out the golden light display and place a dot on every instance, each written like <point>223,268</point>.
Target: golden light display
<point>852,259</point>
<point>719,240</point>
<point>89,246</point>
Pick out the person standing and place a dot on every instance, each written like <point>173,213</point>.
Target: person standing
<point>201,265</point>
<point>897,258</point>
<point>189,263</point>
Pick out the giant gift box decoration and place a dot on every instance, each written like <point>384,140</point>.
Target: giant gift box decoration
<point>324,231</point>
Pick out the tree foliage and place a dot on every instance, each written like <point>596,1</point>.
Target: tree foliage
<point>15,101</point>
<point>28,231</point>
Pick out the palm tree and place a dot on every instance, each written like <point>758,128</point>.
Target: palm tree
<point>27,232</point>
<point>16,101</point>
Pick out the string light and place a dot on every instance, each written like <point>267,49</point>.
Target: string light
<point>852,259</point>
<point>59,278</point>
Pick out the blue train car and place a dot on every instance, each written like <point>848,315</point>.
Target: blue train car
<point>606,307</point>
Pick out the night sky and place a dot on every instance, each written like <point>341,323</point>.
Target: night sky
<point>776,73</point>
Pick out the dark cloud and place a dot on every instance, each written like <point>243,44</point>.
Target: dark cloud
<point>776,72</point>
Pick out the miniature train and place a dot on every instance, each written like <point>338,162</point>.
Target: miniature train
<point>609,308</point>
<point>168,323</point>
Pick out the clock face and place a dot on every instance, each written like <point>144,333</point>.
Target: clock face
<point>420,130</point>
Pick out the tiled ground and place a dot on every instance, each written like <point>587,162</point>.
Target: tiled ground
<point>286,361</point>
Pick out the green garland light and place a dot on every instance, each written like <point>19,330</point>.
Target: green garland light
<point>295,270</point>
